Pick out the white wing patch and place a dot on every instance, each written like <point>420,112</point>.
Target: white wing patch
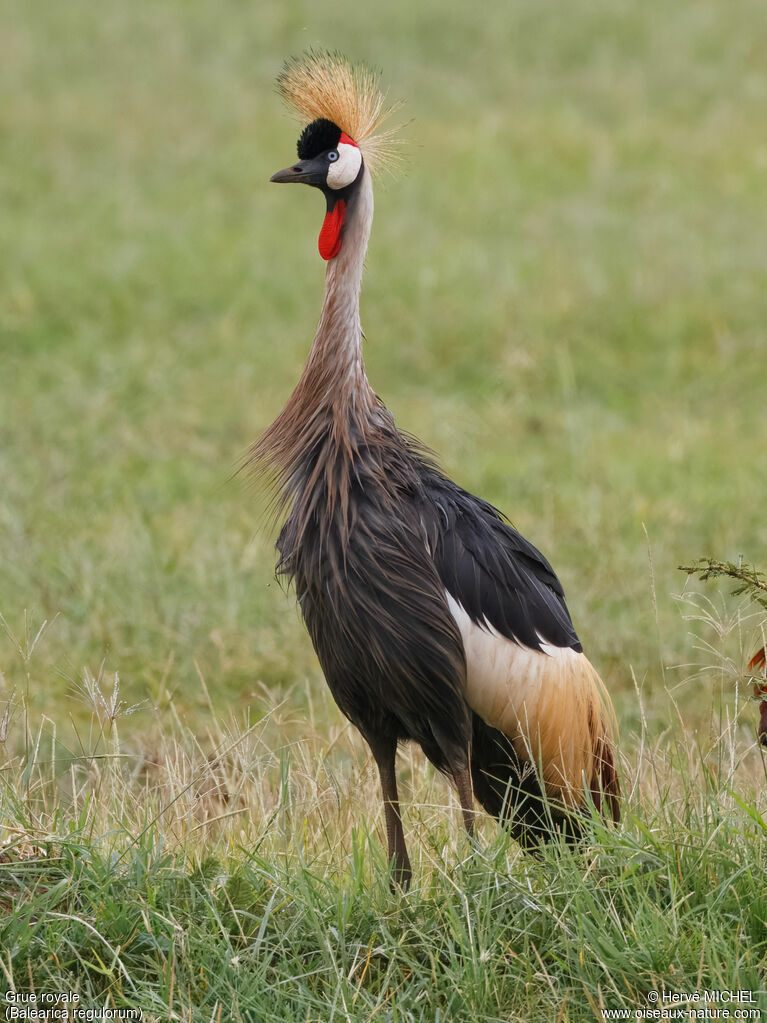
<point>346,168</point>
<point>548,702</point>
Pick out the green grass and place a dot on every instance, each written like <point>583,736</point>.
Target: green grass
<point>565,299</point>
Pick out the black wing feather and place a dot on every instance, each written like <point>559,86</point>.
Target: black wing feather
<point>497,575</point>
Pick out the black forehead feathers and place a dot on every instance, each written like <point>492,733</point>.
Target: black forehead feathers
<point>318,137</point>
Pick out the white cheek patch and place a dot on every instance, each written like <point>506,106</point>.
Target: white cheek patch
<point>346,168</point>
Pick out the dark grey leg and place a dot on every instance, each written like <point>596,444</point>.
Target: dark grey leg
<point>385,752</point>
<point>459,761</point>
<point>462,780</point>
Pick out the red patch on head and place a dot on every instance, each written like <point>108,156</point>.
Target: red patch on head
<point>330,236</point>
<point>349,142</point>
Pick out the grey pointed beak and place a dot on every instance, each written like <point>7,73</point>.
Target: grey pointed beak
<point>289,174</point>
<point>306,172</point>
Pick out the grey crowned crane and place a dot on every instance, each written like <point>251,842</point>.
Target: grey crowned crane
<point>433,619</point>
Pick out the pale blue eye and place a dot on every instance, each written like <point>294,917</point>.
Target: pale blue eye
<point>332,156</point>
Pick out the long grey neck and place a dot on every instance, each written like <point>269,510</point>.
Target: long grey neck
<point>336,352</point>
<point>332,401</point>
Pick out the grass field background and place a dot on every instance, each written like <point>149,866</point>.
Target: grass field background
<point>566,299</point>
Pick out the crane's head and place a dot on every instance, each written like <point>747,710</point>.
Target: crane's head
<point>345,108</point>
<point>329,160</point>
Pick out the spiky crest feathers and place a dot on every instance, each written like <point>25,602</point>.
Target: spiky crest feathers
<point>321,85</point>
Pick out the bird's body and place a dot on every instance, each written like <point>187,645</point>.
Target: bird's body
<point>433,620</point>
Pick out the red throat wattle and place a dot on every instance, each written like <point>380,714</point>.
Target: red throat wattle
<point>330,236</point>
